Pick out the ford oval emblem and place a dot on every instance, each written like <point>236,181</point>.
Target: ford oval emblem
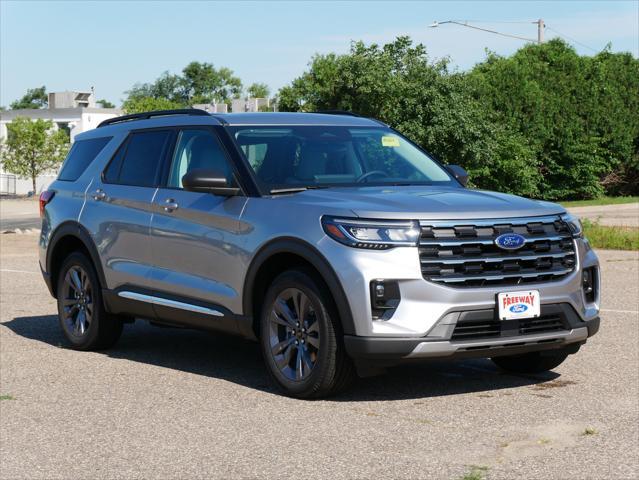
<point>519,308</point>
<point>510,241</point>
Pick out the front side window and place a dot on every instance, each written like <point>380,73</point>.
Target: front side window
<point>317,156</point>
<point>138,161</point>
<point>197,149</point>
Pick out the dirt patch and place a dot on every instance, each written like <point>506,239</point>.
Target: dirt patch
<point>553,384</point>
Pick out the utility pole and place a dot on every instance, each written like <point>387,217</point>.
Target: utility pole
<point>540,31</point>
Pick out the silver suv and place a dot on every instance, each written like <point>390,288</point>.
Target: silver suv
<point>336,242</point>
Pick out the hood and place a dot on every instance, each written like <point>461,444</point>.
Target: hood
<point>427,203</point>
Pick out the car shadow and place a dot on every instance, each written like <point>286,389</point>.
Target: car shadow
<point>239,361</point>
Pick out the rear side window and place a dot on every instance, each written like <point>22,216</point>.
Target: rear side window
<point>138,160</point>
<point>82,153</point>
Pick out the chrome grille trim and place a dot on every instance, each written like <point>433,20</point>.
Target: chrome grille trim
<point>493,259</point>
<point>485,242</point>
<point>463,253</point>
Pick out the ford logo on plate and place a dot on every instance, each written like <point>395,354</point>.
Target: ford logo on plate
<point>510,241</point>
<point>519,308</point>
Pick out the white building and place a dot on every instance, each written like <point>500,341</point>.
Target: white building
<point>75,112</point>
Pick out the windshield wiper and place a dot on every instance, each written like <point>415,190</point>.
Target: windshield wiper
<point>277,191</point>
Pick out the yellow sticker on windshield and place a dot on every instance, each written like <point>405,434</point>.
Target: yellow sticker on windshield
<point>389,141</point>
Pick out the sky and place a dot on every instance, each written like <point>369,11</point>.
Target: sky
<point>111,45</point>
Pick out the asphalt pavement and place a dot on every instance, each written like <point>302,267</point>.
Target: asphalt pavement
<point>167,403</point>
<point>19,213</point>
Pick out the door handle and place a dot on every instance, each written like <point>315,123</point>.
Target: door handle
<point>170,205</point>
<point>99,194</point>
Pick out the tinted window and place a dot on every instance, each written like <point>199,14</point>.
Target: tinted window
<point>197,149</point>
<point>137,163</point>
<point>81,155</point>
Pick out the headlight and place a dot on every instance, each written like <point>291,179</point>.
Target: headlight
<point>574,224</point>
<point>372,234</point>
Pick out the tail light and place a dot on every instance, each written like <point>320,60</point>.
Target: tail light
<point>45,197</point>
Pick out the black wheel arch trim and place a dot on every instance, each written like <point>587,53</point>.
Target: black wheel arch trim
<point>73,229</point>
<point>310,254</point>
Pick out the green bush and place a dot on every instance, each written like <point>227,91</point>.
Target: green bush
<point>544,123</point>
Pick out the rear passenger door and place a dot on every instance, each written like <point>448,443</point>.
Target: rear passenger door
<point>119,208</point>
<point>195,237</point>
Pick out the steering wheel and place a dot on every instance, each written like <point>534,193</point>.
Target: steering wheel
<point>364,176</point>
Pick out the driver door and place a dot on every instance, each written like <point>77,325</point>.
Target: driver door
<point>194,238</point>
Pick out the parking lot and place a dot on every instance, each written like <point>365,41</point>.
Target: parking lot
<point>168,403</point>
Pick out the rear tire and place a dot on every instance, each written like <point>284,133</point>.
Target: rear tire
<point>535,362</point>
<point>83,319</point>
<point>301,338</point>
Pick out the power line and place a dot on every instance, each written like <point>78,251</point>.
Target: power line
<point>572,39</point>
<point>464,24</point>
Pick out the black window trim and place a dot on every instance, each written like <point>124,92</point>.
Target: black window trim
<point>168,146</point>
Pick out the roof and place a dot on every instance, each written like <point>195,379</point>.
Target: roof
<point>235,119</point>
<point>292,118</point>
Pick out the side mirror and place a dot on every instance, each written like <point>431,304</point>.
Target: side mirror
<point>459,173</point>
<point>209,181</point>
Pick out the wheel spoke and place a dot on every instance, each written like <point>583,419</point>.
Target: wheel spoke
<point>313,341</point>
<point>299,373</point>
<point>306,360</point>
<point>286,358</point>
<point>283,345</point>
<point>313,327</point>
<point>300,301</point>
<point>70,311</point>
<point>75,278</point>
<point>281,307</point>
<point>275,318</point>
<point>68,302</point>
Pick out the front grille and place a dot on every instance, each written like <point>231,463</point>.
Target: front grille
<point>487,329</point>
<point>465,254</point>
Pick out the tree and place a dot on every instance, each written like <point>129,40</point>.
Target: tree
<point>34,98</point>
<point>105,104</point>
<point>149,104</point>
<point>398,84</point>
<point>578,113</point>
<point>258,90</point>
<point>199,83</point>
<point>33,148</point>
<point>205,84</point>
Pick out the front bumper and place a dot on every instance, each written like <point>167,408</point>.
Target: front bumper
<point>397,349</point>
<point>424,305</point>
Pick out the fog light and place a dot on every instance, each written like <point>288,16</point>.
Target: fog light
<point>385,298</point>
<point>589,284</point>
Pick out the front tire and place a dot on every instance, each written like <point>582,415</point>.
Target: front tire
<point>84,321</point>
<point>534,362</point>
<point>301,338</point>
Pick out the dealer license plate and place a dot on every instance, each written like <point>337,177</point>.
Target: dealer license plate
<point>513,305</point>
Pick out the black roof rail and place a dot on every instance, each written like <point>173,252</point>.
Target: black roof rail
<point>338,112</point>
<point>156,113</point>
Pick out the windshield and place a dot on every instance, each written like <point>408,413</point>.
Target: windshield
<point>318,156</point>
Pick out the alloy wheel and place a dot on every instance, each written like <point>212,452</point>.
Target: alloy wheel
<point>294,335</point>
<point>77,303</point>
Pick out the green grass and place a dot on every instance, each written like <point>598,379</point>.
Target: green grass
<point>6,397</point>
<point>600,201</point>
<point>612,238</point>
<point>590,431</point>
<point>476,473</point>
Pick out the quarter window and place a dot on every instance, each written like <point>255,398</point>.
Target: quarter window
<point>82,153</point>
